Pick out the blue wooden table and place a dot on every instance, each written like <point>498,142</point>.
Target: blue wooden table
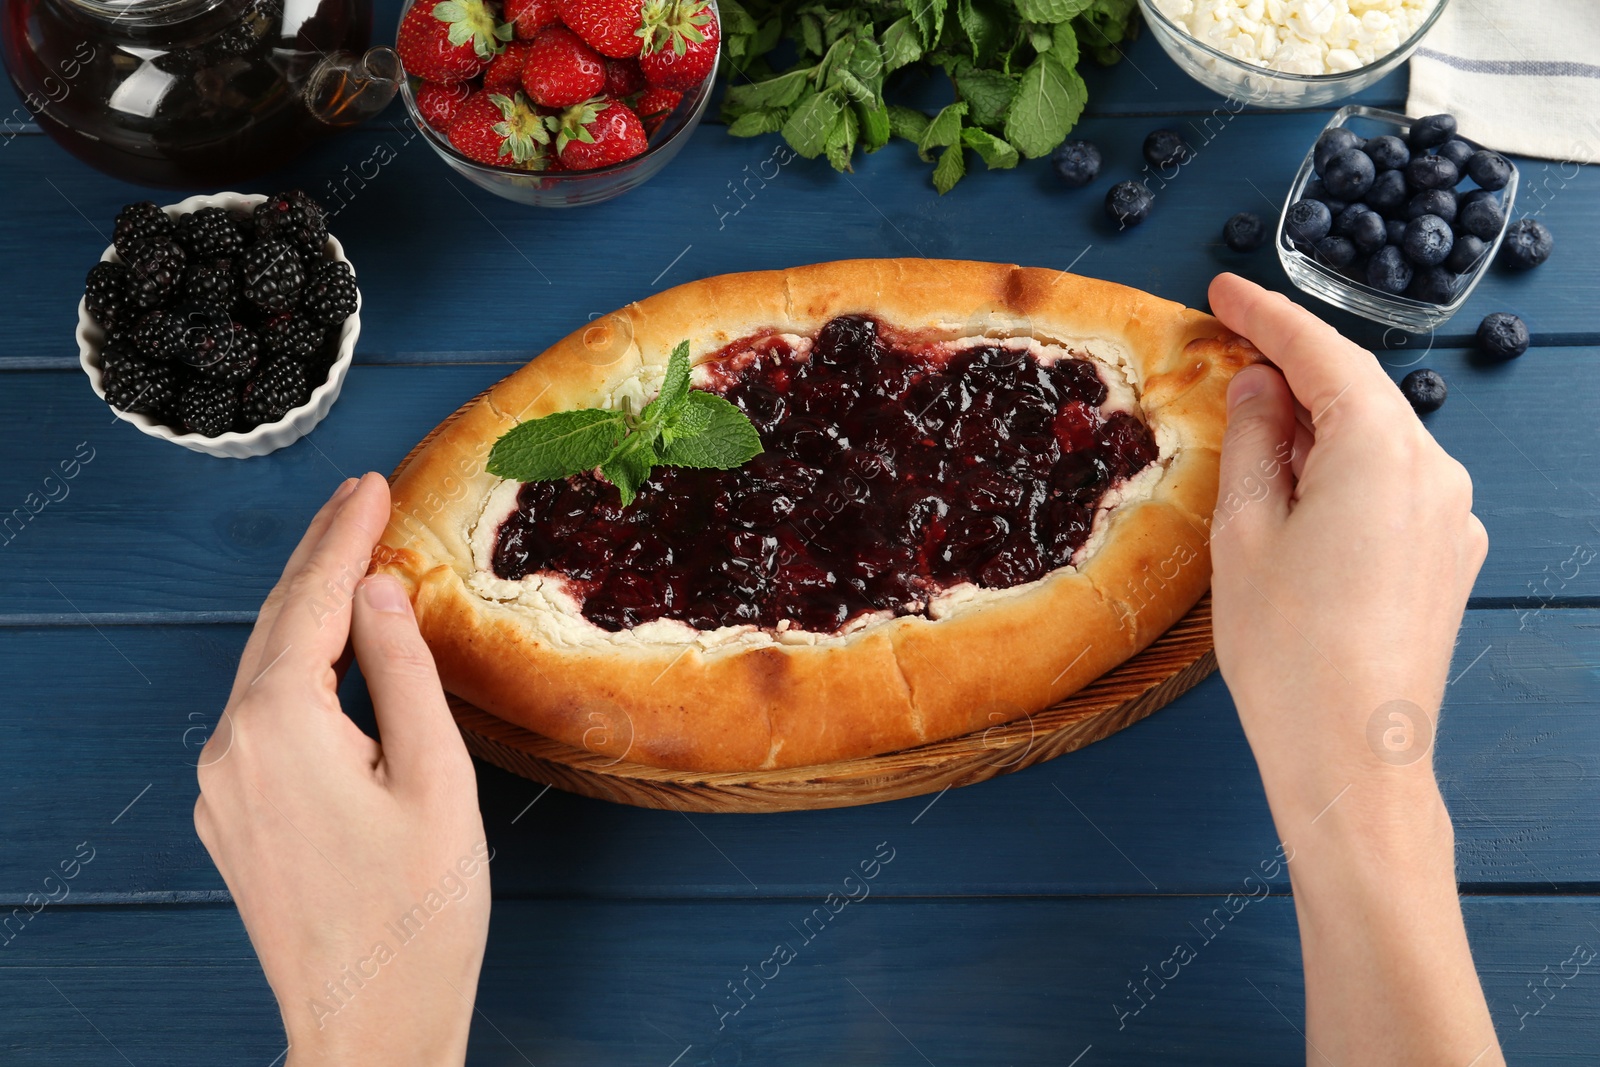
<point>1013,917</point>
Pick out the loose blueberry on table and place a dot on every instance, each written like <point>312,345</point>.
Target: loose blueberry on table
<point>1424,389</point>
<point>1077,163</point>
<point>1502,335</point>
<point>892,470</point>
<point>1128,203</point>
<point>217,322</point>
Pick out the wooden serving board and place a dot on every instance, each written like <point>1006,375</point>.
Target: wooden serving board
<point>1177,660</point>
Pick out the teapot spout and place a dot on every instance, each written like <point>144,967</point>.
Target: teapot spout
<point>346,89</point>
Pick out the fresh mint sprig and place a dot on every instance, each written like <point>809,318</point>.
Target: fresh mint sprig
<point>681,427</point>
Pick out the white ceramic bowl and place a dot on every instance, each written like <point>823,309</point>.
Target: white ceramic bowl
<point>269,436</point>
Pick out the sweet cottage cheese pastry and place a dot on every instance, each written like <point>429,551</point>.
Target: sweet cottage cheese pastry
<point>982,486</point>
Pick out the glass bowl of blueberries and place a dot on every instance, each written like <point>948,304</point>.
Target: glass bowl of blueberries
<point>1396,218</point>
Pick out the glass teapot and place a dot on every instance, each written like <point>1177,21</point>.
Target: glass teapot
<point>194,92</point>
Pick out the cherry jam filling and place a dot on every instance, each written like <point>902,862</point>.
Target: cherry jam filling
<point>889,475</point>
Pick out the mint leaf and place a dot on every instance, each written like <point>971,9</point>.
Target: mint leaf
<point>945,129</point>
<point>995,153</point>
<point>949,170</point>
<point>755,123</point>
<point>929,17</point>
<point>987,93</point>
<point>809,126</point>
<point>781,91</point>
<point>1051,10</point>
<point>724,440</point>
<point>1048,103</point>
<point>629,466</point>
<point>900,45</point>
<point>674,387</point>
<point>983,26</point>
<point>1064,44</point>
<point>907,122</point>
<point>875,126</point>
<point>557,445</point>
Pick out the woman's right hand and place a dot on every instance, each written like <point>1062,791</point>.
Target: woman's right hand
<point>1344,547</point>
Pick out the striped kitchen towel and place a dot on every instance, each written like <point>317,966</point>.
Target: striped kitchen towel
<point>1520,76</point>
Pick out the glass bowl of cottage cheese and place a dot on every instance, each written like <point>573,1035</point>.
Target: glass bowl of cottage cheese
<point>1289,53</point>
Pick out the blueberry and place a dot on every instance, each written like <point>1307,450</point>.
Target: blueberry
<point>1433,285</point>
<point>1388,270</point>
<point>1369,232</point>
<point>1349,174</point>
<point>1428,240</point>
<point>1502,335</point>
<point>1432,130</point>
<point>1394,231</point>
<point>1482,218</point>
<point>1527,244</point>
<point>1245,232</point>
<point>1388,152</point>
<point>1425,389</point>
<point>1166,148</point>
<point>1330,143</point>
<point>1336,252</point>
<point>1077,163</point>
<point>1389,191</point>
<point>1456,151</point>
<point>1490,170</point>
<point>1432,172</point>
<point>1466,254</point>
<point>1346,218</point>
<point>1472,195</point>
<point>1129,203</point>
<point>1440,202</point>
<point>1315,190</point>
<point>1307,221</point>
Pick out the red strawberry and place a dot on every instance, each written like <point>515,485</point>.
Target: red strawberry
<point>501,131</point>
<point>561,70</point>
<point>655,105</point>
<point>610,27</point>
<point>623,77</point>
<point>680,43</point>
<point>449,41</point>
<point>440,104</point>
<point>531,16</point>
<point>598,133</point>
<point>504,73</point>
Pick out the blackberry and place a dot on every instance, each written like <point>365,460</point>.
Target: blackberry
<point>271,274</point>
<point>142,385</point>
<point>280,387</point>
<point>330,295</point>
<point>137,224</point>
<point>114,353</point>
<point>292,335</point>
<point>105,294</point>
<point>235,358</point>
<point>159,335</point>
<point>212,282</point>
<point>293,217</point>
<point>156,270</point>
<point>208,233</point>
<point>207,408</point>
<point>208,336</point>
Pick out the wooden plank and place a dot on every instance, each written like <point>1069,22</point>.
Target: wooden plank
<point>1170,805</point>
<point>194,533</point>
<point>428,246</point>
<point>888,983</point>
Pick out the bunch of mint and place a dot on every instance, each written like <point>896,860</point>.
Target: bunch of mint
<point>681,427</point>
<point>1013,62</point>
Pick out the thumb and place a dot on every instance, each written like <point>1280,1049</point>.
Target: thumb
<point>415,728</point>
<point>1255,481</point>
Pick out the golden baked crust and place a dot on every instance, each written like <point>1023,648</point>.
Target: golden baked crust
<point>761,703</point>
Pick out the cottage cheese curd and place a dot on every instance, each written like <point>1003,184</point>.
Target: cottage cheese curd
<point>1301,36</point>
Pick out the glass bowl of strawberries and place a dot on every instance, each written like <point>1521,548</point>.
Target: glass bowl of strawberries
<point>558,103</point>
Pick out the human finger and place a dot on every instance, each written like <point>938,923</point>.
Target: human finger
<point>418,735</point>
<point>1255,481</point>
<point>250,659</point>
<point>1321,366</point>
